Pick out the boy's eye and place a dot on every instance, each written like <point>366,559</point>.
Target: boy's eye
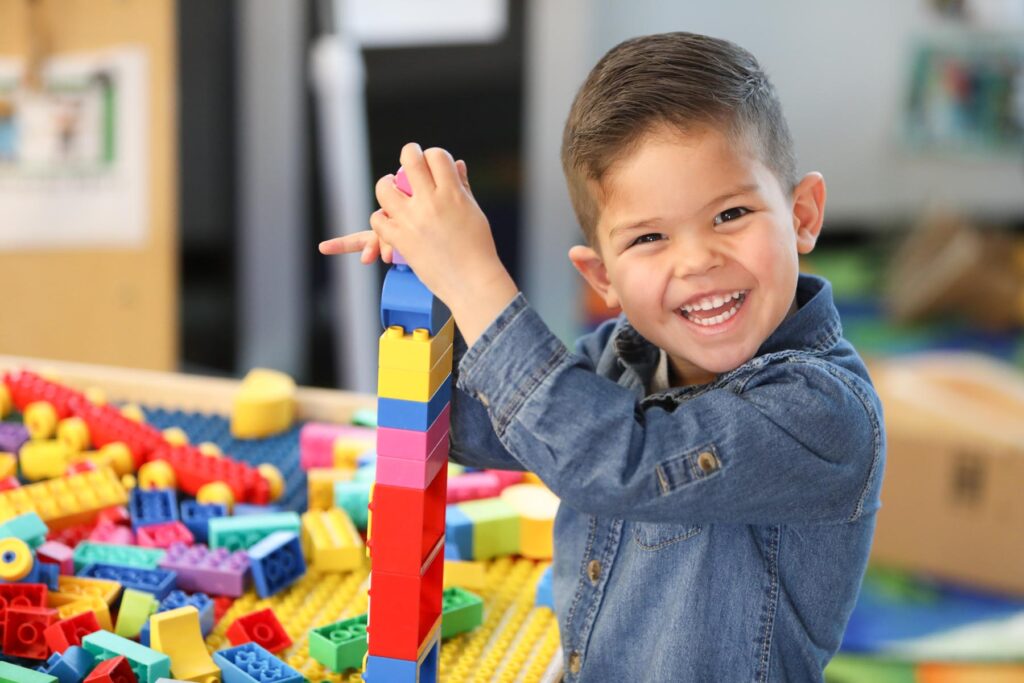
<point>731,215</point>
<point>644,239</point>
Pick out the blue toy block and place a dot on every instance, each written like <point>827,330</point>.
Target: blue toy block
<point>159,582</point>
<point>152,506</point>
<point>70,667</point>
<point>405,301</point>
<point>458,533</point>
<point>545,593</point>
<point>251,663</point>
<point>41,572</point>
<point>176,599</point>
<point>387,670</point>
<point>413,415</point>
<point>276,562</point>
<point>242,509</point>
<point>367,459</point>
<point>196,516</point>
<point>29,527</point>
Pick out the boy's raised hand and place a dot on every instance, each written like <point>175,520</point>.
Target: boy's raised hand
<point>443,235</point>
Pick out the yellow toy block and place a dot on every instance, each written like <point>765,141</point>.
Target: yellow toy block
<point>5,401</point>
<point>104,589</point>
<point>114,455</point>
<point>469,575</point>
<point>73,432</point>
<point>65,501</point>
<point>531,478</point>
<point>536,506</point>
<point>320,485</point>
<point>331,541</point>
<point>414,385</point>
<point>70,604</point>
<point>40,419</point>
<point>264,406</point>
<point>414,351</point>
<point>346,451</point>
<point>44,459</point>
<point>176,633</point>
<point>8,465</point>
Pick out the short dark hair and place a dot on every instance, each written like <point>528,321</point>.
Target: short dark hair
<point>683,80</point>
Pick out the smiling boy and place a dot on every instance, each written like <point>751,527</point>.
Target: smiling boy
<point>718,448</point>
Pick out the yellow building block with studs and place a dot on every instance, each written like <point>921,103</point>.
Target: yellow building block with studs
<point>331,541</point>
<point>73,432</point>
<point>264,405</point>
<point>176,633</point>
<point>346,451</point>
<point>414,351</point>
<point>105,589</point>
<point>414,385</point>
<point>43,459</point>
<point>70,604</point>
<point>8,465</point>
<point>66,501</point>
<point>320,485</point>
<point>40,419</point>
<point>469,575</point>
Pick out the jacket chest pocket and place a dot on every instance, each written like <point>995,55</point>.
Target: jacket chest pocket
<point>652,536</point>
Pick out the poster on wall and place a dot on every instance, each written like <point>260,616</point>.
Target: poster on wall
<point>73,156</point>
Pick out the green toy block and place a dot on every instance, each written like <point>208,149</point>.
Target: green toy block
<point>147,664</point>
<point>366,417</point>
<point>29,527</point>
<point>136,609</point>
<point>341,645</point>
<point>241,533</point>
<point>461,611</point>
<point>12,673</point>
<point>88,552</point>
<point>495,527</point>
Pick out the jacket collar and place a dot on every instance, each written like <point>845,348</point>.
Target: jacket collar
<point>814,327</point>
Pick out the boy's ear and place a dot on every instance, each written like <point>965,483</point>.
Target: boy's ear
<point>591,267</point>
<point>808,211</point>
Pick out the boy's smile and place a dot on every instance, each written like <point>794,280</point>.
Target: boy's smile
<point>698,243</point>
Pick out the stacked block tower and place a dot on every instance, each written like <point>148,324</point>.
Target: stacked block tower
<point>407,509</point>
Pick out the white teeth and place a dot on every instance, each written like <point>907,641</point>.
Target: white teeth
<point>712,302</point>
<point>715,320</point>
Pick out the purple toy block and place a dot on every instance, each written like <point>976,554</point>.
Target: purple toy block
<point>316,442</point>
<point>201,570</point>
<point>12,437</point>
<point>409,444</point>
<point>412,474</point>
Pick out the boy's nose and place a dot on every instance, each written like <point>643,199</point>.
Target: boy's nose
<point>695,255</point>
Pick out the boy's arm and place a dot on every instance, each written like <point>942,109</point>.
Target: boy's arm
<point>773,453</point>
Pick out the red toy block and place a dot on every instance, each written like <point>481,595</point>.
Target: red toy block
<point>64,634</point>
<point>115,515</point>
<point>8,483</point>
<point>28,387</point>
<point>221,604</point>
<point>193,468</point>
<point>23,631</point>
<point>107,425</point>
<point>55,552</point>
<point>20,595</point>
<point>113,670</point>
<point>406,524</point>
<point>404,608</point>
<point>79,467</point>
<point>260,627</point>
<point>164,535</point>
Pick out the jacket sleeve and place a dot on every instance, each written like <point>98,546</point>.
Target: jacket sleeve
<point>800,441</point>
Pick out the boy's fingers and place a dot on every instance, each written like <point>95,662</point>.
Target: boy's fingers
<point>388,195</point>
<point>380,223</point>
<point>386,252</point>
<point>442,167</point>
<point>346,244</point>
<point>460,166</point>
<point>416,168</point>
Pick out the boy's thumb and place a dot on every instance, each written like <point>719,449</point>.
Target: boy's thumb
<point>460,166</point>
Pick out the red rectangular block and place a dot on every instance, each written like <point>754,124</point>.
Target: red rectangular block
<point>404,609</point>
<point>113,670</point>
<point>23,631</point>
<point>261,627</point>
<point>406,524</point>
<point>68,632</point>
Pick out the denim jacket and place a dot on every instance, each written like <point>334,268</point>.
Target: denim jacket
<point>706,533</point>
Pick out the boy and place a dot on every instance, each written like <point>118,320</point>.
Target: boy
<point>718,448</point>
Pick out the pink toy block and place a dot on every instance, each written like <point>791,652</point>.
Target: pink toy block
<point>507,477</point>
<point>409,444</point>
<point>473,486</point>
<point>201,570</point>
<point>316,442</point>
<point>164,535</point>
<point>413,474</point>
<point>112,533</point>
<point>53,552</point>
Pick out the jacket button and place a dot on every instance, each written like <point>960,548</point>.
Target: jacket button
<point>707,462</point>
<point>593,571</point>
<point>574,662</point>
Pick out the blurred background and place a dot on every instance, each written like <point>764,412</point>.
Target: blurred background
<point>167,168</point>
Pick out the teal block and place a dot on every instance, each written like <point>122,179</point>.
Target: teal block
<point>461,611</point>
<point>147,664</point>
<point>341,645</point>
<point>88,552</point>
<point>12,673</point>
<point>241,533</point>
<point>29,527</point>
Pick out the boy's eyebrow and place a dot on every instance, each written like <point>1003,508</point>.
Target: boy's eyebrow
<point>735,192</point>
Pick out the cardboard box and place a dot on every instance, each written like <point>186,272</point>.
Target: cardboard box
<point>953,493</point>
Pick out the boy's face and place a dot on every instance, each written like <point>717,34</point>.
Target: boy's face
<point>698,243</point>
